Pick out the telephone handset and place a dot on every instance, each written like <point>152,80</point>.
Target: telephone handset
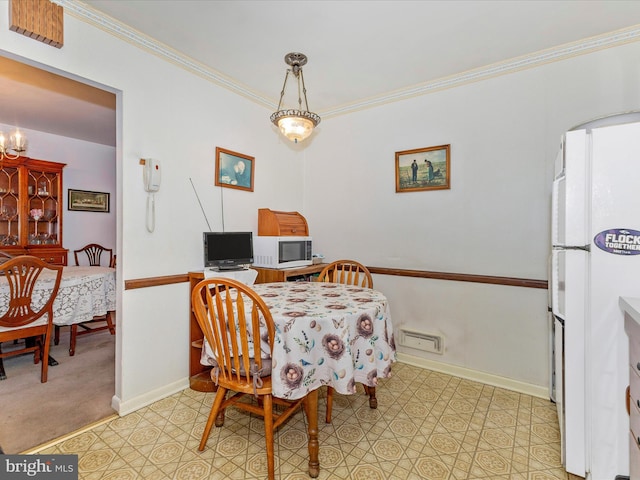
<point>151,178</point>
<point>151,175</point>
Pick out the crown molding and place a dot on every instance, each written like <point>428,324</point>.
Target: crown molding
<point>561,52</point>
<point>118,29</point>
<point>94,17</point>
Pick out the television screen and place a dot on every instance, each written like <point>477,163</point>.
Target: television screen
<point>228,250</point>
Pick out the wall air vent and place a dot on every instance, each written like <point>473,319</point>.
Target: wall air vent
<point>426,342</point>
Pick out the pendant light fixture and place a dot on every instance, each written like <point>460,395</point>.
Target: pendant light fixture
<point>295,124</point>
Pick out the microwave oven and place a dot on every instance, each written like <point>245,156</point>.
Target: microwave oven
<point>281,252</point>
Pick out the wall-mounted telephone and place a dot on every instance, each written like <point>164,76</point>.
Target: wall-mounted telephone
<point>152,175</point>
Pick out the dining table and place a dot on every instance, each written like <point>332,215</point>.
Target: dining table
<point>326,334</point>
<point>85,292</point>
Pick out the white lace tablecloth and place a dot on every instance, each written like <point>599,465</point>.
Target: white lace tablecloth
<point>84,293</point>
<point>327,334</point>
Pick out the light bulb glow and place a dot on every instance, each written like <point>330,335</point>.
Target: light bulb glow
<point>296,125</point>
<point>295,129</point>
<point>16,143</point>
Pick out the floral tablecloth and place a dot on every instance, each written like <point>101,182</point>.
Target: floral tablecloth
<point>85,292</point>
<point>327,334</point>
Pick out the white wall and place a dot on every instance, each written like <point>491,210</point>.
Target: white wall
<point>179,118</point>
<point>504,133</point>
<point>495,220</point>
<point>90,166</point>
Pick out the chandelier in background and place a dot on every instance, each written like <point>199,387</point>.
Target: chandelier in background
<point>16,143</point>
<point>295,124</point>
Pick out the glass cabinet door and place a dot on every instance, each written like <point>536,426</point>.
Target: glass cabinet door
<point>9,206</point>
<point>43,208</point>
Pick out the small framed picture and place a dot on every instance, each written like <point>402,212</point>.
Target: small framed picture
<point>423,169</point>
<point>234,170</point>
<point>84,201</point>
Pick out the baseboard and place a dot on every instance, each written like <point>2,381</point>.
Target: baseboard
<point>123,408</point>
<point>477,376</point>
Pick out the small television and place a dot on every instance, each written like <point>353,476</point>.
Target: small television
<point>228,250</point>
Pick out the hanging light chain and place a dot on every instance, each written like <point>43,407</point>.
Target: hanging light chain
<point>304,91</point>
<point>284,86</point>
<point>299,96</point>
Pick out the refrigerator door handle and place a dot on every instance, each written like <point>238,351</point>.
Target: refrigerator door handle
<point>557,282</point>
<point>558,221</point>
<point>584,248</point>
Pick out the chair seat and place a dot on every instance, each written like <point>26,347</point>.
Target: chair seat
<point>41,321</point>
<point>245,388</point>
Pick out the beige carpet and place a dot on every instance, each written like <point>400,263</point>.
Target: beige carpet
<point>78,392</point>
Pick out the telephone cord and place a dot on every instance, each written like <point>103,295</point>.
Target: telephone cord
<point>151,212</point>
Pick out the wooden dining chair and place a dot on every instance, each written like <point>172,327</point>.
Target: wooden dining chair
<point>20,321</point>
<point>93,252</point>
<point>347,272</point>
<point>233,317</point>
<point>4,256</point>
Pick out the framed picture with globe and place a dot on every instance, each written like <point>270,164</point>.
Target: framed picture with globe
<point>234,170</point>
<point>423,169</point>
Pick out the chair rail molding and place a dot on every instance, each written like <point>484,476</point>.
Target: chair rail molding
<point>457,277</point>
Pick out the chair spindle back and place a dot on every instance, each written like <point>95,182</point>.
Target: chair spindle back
<point>347,272</point>
<point>22,273</point>
<point>231,315</point>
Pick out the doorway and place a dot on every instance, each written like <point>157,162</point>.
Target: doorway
<point>53,111</point>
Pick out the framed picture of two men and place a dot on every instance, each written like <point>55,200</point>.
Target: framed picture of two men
<point>423,169</point>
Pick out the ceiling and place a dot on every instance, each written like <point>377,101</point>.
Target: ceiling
<point>361,53</point>
<point>35,99</point>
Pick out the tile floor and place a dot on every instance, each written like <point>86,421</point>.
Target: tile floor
<point>428,426</point>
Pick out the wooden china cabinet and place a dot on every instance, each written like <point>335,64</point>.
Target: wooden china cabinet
<point>31,209</point>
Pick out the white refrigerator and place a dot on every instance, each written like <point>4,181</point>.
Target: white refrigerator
<point>595,260</point>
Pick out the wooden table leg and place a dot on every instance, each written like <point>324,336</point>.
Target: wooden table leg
<point>220,418</point>
<point>371,391</point>
<point>3,375</point>
<point>311,409</point>
<point>72,342</point>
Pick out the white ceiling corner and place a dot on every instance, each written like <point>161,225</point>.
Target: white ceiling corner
<point>361,53</point>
